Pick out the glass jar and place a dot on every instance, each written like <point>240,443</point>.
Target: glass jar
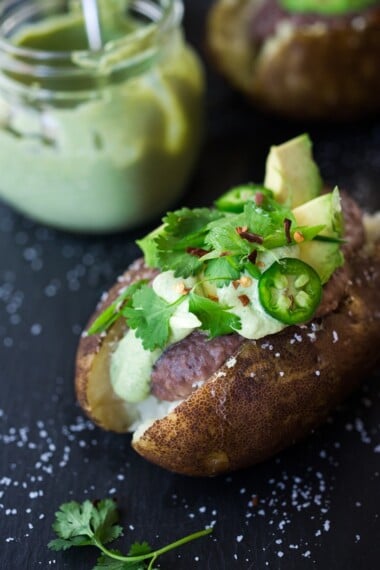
<point>96,141</point>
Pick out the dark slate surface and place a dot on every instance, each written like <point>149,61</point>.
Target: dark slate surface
<point>314,506</point>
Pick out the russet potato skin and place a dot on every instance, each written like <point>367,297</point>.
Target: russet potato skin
<point>308,71</point>
<point>269,394</point>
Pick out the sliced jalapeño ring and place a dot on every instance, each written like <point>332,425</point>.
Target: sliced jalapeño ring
<point>234,200</point>
<point>290,291</point>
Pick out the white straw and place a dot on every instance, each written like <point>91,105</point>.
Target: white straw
<point>92,23</point>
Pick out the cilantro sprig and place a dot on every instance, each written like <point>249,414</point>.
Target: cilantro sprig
<point>95,524</point>
<point>149,316</point>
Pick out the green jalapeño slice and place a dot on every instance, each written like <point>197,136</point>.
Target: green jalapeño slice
<point>234,200</point>
<point>290,291</point>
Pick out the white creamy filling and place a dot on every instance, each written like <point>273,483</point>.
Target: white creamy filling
<point>131,364</point>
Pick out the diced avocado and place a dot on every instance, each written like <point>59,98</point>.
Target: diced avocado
<point>323,256</point>
<point>291,172</point>
<point>324,210</point>
<point>326,6</point>
<point>149,247</point>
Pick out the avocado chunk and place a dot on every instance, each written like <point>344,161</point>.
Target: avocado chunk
<point>291,172</point>
<point>324,256</point>
<point>324,210</point>
<point>327,7</point>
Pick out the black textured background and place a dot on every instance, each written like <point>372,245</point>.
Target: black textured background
<point>317,503</point>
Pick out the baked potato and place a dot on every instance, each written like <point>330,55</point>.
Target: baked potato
<point>235,399</point>
<point>302,66</point>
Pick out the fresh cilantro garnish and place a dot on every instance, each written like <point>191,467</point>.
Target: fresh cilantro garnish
<point>149,316</point>
<point>223,238</point>
<point>173,255</point>
<point>223,270</point>
<point>107,318</point>
<point>213,245</point>
<point>186,224</point>
<point>85,524</point>
<point>185,229</point>
<point>95,524</point>
<point>215,317</point>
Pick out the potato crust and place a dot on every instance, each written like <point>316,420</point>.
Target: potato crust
<point>308,71</point>
<point>270,393</point>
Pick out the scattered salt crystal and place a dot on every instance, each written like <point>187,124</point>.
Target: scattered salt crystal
<point>36,329</point>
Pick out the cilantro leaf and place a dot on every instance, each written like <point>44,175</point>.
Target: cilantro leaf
<point>103,520</point>
<point>149,316</point>
<point>139,548</point>
<point>185,223</point>
<point>178,260</point>
<point>73,520</point>
<point>58,544</point>
<point>82,524</point>
<point>259,221</point>
<point>184,229</point>
<point>94,524</point>
<point>223,237</point>
<point>223,270</point>
<point>110,315</point>
<point>215,317</point>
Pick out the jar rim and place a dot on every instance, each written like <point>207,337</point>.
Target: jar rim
<point>162,15</point>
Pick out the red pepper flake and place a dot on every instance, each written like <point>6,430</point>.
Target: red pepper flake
<point>244,300</point>
<point>287,226</point>
<point>213,298</point>
<point>236,283</point>
<point>298,237</point>
<point>253,256</point>
<point>259,198</point>
<point>249,236</point>
<point>196,251</point>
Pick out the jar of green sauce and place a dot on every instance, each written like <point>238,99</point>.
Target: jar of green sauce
<point>96,141</point>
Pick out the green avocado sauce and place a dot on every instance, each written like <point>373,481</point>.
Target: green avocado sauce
<point>106,146</point>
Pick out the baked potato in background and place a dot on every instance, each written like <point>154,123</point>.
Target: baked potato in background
<point>310,70</point>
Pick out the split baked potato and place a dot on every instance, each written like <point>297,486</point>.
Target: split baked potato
<point>298,329</point>
<point>301,69</point>
<point>269,394</point>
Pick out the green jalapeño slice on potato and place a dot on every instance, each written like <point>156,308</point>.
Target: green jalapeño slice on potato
<point>290,291</point>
